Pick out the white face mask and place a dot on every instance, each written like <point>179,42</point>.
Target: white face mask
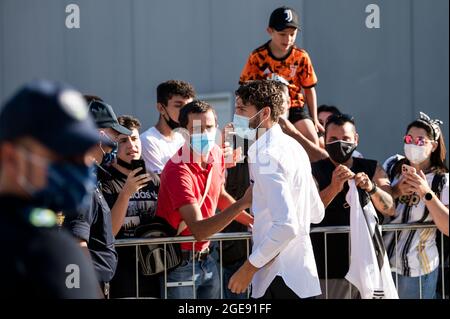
<point>242,126</point>
<point>415,154</point>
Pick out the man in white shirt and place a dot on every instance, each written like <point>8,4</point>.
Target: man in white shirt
<point>285,201</point>
<point>162,141</point>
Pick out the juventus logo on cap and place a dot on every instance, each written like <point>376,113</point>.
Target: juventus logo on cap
<point>288,14</point>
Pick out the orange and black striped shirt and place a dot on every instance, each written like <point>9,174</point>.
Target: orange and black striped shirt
<point>296,68</point>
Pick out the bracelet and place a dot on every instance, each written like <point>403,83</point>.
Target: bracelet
<point>373,190</point>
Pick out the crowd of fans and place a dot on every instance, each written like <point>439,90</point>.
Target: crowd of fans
<point>66,155</point>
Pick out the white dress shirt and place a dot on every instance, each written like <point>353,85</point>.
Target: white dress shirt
<point>285,202</point>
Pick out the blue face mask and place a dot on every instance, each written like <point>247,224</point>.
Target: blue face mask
<point>68,188</point>
<point>109,158</point>
<point>203,143</point>
<point>242,127</point>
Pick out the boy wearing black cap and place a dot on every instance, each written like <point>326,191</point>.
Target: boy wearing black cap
<point>279,57</point>
<point>45,132</point>
<point>131,194</point>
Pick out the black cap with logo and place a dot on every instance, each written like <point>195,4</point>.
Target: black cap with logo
<point>283,18</point>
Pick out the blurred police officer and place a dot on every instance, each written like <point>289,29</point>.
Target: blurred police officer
<point>45,131</point>
<point>93,226</point>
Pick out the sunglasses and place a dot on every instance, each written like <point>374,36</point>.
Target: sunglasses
<point>419,141</point>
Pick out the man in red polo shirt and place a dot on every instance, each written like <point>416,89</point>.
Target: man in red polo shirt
<point>191,189</point>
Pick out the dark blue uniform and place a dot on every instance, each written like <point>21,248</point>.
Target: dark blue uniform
<point>38,259</point>
<point>95,227</point>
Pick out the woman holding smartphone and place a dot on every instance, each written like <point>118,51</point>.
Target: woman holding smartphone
<point>420,185</point>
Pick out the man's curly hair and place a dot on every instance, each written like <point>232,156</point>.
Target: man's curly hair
<point>263,93</point>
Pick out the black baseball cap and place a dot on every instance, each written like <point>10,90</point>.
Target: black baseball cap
<point>282,18</point>
<point>105,117</point>
<point>53,113</point>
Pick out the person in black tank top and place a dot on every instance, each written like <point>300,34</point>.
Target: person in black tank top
<point>331,175</point>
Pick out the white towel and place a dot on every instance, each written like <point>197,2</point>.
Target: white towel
<point>369,265</point>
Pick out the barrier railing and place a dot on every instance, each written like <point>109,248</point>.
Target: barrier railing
<point>220,237</point>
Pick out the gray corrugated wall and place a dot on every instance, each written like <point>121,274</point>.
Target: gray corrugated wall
<point>125,48</point>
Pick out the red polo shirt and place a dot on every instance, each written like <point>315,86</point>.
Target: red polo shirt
<point>183,182</point>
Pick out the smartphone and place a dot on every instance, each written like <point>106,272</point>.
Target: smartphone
<point>138,163</point>
<point>230,136</point>
<point>408,169</point>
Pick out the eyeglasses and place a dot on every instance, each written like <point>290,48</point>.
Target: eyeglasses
<point>419,141</point>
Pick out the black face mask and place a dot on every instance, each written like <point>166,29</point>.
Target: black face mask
<point>172,124</point>
<point>340,151</point>
<point>124,164</point>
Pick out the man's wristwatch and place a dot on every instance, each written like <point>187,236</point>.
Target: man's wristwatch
<point>428,196</point>
<point>373,190</point>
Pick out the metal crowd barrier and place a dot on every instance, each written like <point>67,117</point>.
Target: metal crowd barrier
<point>386,228</point>
<point>220,237</point>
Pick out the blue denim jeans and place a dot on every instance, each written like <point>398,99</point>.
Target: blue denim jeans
<point>207,281</point>
<point>408,287</point>
<point>227,273</point>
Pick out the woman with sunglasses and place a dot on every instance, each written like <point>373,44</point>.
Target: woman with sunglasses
<point>420,185</point>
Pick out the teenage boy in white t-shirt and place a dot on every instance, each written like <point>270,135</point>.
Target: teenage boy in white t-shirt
<point>161,142</point>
